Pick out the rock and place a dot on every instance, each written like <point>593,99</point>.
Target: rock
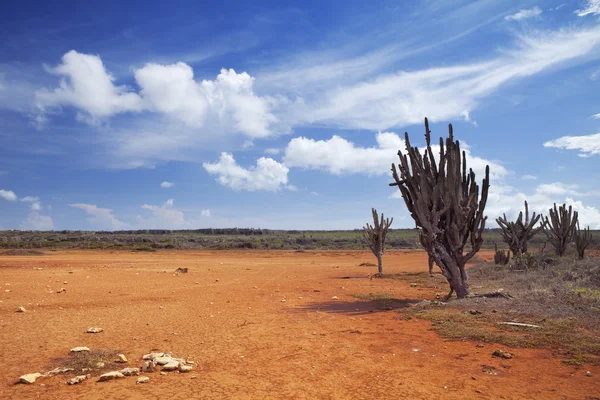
<point>163,373</point>
<point>29,378</point>
<point>21,309</point>
<point>185,368</point>
<point>181,270</point>
<point>283,300</point>
<point>6,290</point>
<point>99,364</point>
<point>143,379</point>
<point>121,359</point>
<point>130,371</point>
<point>148,366</point>
<point>61,290</point>
<point>163,360</point>
<point>502,354</point>
<point>334,298</point>
<point>79,349</point>
<point>172,365</point>
<point>109,376</point>
<point>77,379</point>
<point>152,356</point>
<point>413,284</point>
<point>94,330</point>
<point>58,371</point>
<point>588,373</point>
<point>474,312</point>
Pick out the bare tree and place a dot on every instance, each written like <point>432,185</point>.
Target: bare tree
<point>374,236</point>
<point>444,200</point>
<point>560,227</point>
<point>583,238</point>
<point>516,234</point>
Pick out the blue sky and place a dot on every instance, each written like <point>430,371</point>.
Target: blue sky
<point>287,114</point>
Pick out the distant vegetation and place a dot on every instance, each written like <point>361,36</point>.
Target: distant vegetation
<point>222,239</point>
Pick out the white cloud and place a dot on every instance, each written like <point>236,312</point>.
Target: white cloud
<point>591,7</point>
<point>587,145</point>
<point>8,195</point>
<point>339,156</point>
<point>528,177</point>
<point>272,151</point>
<point>35,202</point>
<point>103,217</point>
<point>268,175</point>
<point>37,222</point>
<point>166,184</point>
<point>440,93</point>
<point>524,14</point>
<point>205,213</point>
<point>596,116</point>
<point>87,86</point>
<point>164,217</point>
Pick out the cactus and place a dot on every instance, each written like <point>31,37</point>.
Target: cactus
<point>560,227</point>
<point>444,200</point>
<point>500,257</point>
<point>517,234</point>
<point>374,236</point>
<point>583,238</point>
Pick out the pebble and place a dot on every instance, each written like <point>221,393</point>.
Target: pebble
<point>185,368</point>
<point>143,379</point>
<point>130,371</point>
<point>21,309</point>
<point>77,379</point>
<point>334,298</point>
<point>121,359</point>
<point>94,330</point>
<point>588,373</point>
<point>283,300</point>
<point>78,349</point>
<point>109,376</point>
<point>163,373</point>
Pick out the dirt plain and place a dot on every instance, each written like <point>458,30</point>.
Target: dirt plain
<point>227,315</point>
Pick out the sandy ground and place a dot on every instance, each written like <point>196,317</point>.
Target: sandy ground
<point>227,315</point>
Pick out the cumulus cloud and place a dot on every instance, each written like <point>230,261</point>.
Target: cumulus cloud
<point>524,14</point>
<point>592,7</point>
<point>163,217</point>
<point>102,217</point>
<point>267,175</point>
<point>339,156</point>
<point>8,195</point>
<point>206,213</point>
<point>34,201</point>
<point>166,184</point>
<point>227,103</point>
<point>37,222</point>
<point>588,145</point>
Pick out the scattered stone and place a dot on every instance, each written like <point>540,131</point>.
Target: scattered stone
<point>152,356</point>
<point>181,270</point>
<point>502,354</point>
<point>79,349</point>
<point>474,312</point>
<point>163,360</point>
<point>29,378</point>
<point>185,368</point>
<point>193,377</point>
<point>413,284</point>
<point>480,346</point>
<point>334,298</point>
<point>283,300</point>
<point>148,366</point>
<point>6,290</point>
<point>77,379</point>
<point>316,290</point>
<point>109,376</point>
<point>143,379</point>
<point>163,373</point>
<point>130,371</point>
<point>121,359</point>
<point>99,364</point>
<point>588,373</point>
<point>58,371</point>
<point>61,290</point>
<point>94,330</point>
<point>21,309</point>
<point>172,365</point>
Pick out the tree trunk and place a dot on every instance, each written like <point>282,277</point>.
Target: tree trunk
<point>379,264</point>
<point>454,272</point>
<point>430,265</point>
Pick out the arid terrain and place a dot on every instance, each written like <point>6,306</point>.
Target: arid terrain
<point>228,315</point>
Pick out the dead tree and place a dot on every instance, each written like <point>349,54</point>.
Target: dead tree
<point>374,235</point>
<point>516,234</point>
<point>500,257</point>
<point>559,227</point>
<point>583,238</point>
<point>444,200</point>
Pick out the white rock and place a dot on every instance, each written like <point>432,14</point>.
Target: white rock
<point>163,373</point>
<point>163,360</point>
<point>152,356</point>
<point>148,366</point>
<point>121,359</point>
<point>77,379</point>
<point>99,364</point>
<point>334,298</point>
<point>78,349</point>
<point>29,378</point>
<point>94,330</point>
<point>21,309</point>
<point>143,379</point>
<point>130,371</point>
<point>283,300</point>
<point>109,376</point>
<point>57,371</point>
<point>185,368</point>
<point>173,365</point>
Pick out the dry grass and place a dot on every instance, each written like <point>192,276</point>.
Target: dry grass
<point>22,252</point>
<point>94,362</point>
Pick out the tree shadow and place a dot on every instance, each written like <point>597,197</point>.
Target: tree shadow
<point>358,307</point>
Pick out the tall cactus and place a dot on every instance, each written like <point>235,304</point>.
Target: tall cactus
<point>517,234</point>
<point>444,200</point>
<point>374,236</point>
<point>559,227</point>
<point>583,238</point>
<point>500,257</point>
